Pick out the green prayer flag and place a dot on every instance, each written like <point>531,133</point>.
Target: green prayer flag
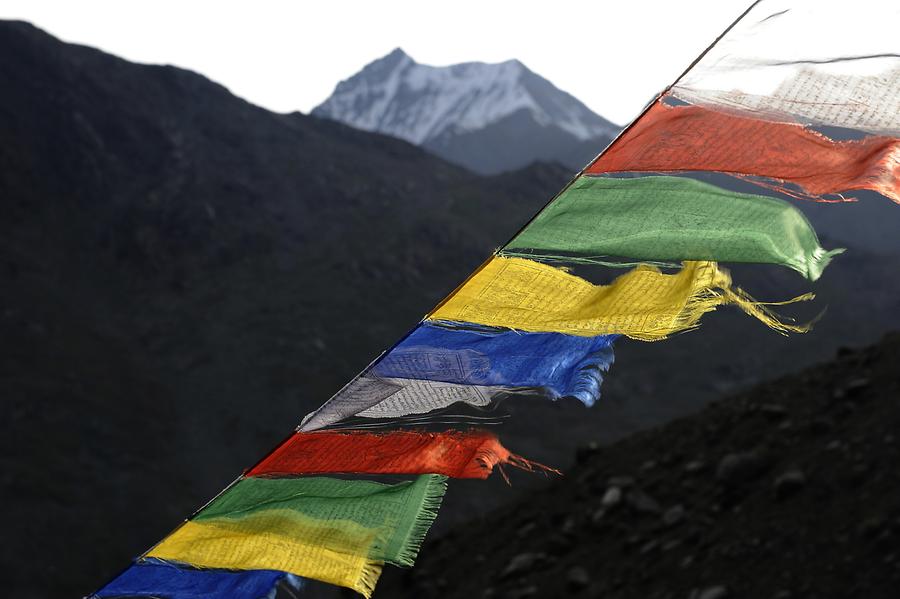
<point>671,218</point>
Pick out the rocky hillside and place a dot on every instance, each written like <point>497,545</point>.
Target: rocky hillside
<point>790,489</point>
<point>487,117</point>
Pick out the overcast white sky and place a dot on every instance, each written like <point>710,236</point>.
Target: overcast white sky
<point>288,55</point>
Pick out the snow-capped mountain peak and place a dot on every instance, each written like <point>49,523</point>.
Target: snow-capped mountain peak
<point>397,96</point>
<point>430,106</point>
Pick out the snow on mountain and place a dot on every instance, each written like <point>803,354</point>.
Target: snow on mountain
<point>456,110</point>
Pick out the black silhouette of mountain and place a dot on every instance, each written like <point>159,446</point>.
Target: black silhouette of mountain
<point>487,117</point>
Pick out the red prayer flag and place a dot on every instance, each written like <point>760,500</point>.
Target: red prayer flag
<point>457,454</point>
<point>691,138</point>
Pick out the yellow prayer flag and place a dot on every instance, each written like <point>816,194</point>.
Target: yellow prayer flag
<point>643,303</point>
<point>335,552</point>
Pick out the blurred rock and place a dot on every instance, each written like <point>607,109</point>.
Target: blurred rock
<point>789,483</point>
<point>642,503</point>
<point>526,529</point>
<point>857,385</point>
<point>522,564</point>
<point>694,466</point>
<point>717,592</point>
<point>611,498</point>
<point>851,388</point>
<point>577,578</point>
<point>674,515</point>
<point>738,468</point>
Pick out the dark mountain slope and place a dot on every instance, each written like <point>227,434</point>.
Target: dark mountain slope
<point>185,275</point>
<point>789,489</point>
